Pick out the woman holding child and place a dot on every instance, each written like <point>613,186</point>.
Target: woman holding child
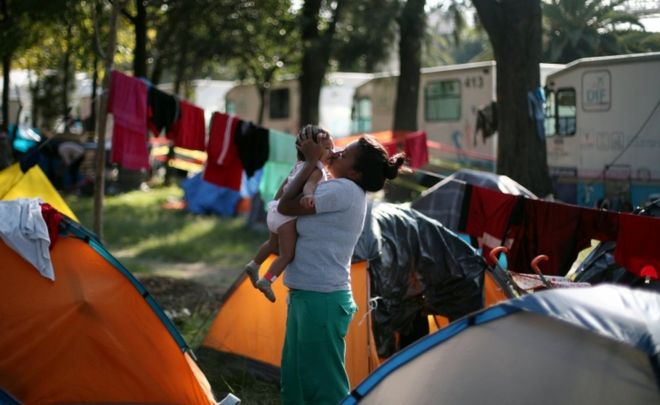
<point>321,304</point>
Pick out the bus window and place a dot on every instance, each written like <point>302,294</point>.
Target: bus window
<point>278,105</point>
<point>361,115</point>
<point>566,112</point>
<point>442,101</point>
<point>550,121</point>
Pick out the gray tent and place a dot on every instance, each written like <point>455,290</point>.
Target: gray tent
<point>444,201</point>
<point>598,345</point>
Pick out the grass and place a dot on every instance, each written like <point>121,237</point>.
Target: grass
<point>138,229</point>
<point>185,255</point>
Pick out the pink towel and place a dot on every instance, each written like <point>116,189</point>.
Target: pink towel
<point>416,149</point>
<point>128,105</point>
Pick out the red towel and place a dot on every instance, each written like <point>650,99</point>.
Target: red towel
<point>488,216</point>
<point>637,243</point>
<point>128,105</point>
<point>52,217</point>
<point>189,130</point>
<point>223,165</point>
<point>416,149</point>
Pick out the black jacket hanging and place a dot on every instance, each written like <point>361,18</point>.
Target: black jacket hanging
<point>252,144</point>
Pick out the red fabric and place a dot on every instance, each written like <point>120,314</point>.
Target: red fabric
<point>229,173</point>
<point>189,130</point>
<point>390,147</point>
<point>416,149</point>
<point>489,216</point>
<point>128,105</point>
<point>52,217</point>
<point>559,231</point>
<point>637,243</point>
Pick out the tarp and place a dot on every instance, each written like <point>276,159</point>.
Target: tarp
<point>597,345</point>
<point>444,201</point>
<point>203,197</point>
<point>417,266</point>
<point>94,335</point>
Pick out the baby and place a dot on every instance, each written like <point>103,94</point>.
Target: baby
<point>283,234</point>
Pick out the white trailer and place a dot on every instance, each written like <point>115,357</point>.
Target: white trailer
<point>282,103</point>
<point>603,129</point>
<point>449,99</point>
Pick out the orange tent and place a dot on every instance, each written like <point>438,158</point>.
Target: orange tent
<point>94,335</point>
<point>248,330</point>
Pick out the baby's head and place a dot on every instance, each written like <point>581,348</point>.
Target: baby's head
<point>326,142</point>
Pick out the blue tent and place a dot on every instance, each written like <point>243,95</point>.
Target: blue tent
<point>599,345</point>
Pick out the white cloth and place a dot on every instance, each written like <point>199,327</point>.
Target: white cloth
<point>23,228</point>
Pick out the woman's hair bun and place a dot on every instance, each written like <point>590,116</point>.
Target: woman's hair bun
<point>393,165</point>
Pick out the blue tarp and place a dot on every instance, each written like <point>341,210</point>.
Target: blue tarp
<point>203,197</point>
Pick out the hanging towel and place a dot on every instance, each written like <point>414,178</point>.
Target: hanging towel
<point>535,106</point>
<point>189,130</point>
<point>281,158</point>
<point>128,105</point>
<point>416,149</point>
<point>163,110</point>
<point>637,243</point>
<point>559,231</point>
<point>489,216</point>
<point>252,143</point>
<point>221,148</point>
<point>22,228</point>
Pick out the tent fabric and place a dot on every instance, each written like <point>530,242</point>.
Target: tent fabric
<point>33,183</point>
<point>416,265</point>
<point>249,329</point>
<point>589,346</point>
<point>93,336</point>
<point>444,201</point>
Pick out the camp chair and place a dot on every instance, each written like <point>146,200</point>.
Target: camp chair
<point>525,283</point>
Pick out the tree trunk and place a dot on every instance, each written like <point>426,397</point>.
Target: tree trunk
<point>514,28</point>
<point>140,52</point>
<point>99,182</point>
<point>411,24</point>
<point>316,55</point>
<point>95,80</point>
<point>66,78</point>
<point>262,104</point>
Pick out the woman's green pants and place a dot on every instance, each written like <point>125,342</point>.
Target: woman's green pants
<point>313,370</point>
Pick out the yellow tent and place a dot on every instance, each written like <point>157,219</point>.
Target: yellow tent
<point>14,183</point>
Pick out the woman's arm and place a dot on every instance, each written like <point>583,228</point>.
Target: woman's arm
<point>312,182</point>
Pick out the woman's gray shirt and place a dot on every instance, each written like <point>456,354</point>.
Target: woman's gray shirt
<point>326,240</point>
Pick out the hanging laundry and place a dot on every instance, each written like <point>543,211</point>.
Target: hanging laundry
<point>486,121</point>
<point>637,243</point>
<point>223,165</point>
<point>281,158</point>
<point>252,143</point>
<point>559,231</point>
<point>52,217</point>
<point>488,216</point>
<point>128,104</point>
<point>24,230</point>
<point>189,131</point>
<point>535,106</point>
<point>416,149</point>
<point>163,110</point>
